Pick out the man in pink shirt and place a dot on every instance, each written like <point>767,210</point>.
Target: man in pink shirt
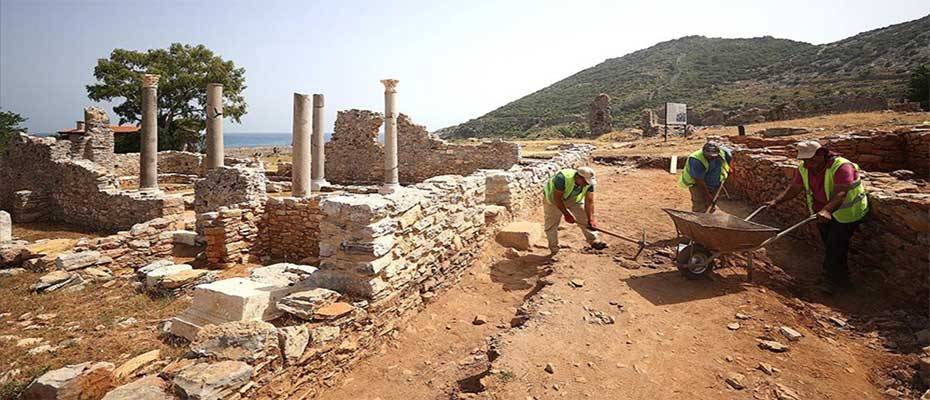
<point>836,194</point>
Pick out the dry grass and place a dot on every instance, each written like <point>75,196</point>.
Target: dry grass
<point>77,315</point>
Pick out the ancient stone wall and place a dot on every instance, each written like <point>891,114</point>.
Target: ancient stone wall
<point>353,154</point>
<point>599,119</point>
<point>890,250</point>
<point>875,150</point>
<point>169,162</point>
<point>76,191</point>
<point>289,231</point>
<point>422,155</point>
<point>228,186</point>
<point>230,233</point>
<point>142,244</point>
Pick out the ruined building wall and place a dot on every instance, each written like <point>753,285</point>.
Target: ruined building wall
<point>890,249</point>
<point>875,150</point>
<point>422,155</point>
<point>290,229</point>
<point>169,162</point>
<point>354,155</point>
<point>76,191</point>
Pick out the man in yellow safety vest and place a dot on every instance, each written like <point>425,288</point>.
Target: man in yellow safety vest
<point>705,172</point>
<point>564,194</point>
<point>833,189</point>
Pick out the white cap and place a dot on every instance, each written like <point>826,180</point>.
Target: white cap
<point>807,149</point>
<point>588,174</point>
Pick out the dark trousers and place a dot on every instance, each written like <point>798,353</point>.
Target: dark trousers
<point>836,237</point>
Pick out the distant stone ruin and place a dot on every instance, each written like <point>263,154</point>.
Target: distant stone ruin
<point>599,119</point>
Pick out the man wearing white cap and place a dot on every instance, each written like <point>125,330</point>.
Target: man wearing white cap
<point>564,194</point>
<point>834,190</point>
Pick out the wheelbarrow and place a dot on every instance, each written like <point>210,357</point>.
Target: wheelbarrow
<point>710,236</point>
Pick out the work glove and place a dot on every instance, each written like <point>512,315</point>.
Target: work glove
<point>569,218</point>
<point>824,216</point>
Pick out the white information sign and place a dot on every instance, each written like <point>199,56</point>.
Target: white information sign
<point>676,114</point>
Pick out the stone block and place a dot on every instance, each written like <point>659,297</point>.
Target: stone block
<point>80,381</point>
<point>148,388</point>
<point>305,304</point>
<point>6,227</point>
<point>205,381</point>
<point>133,364</point>
<point>228,300</point>
<point>153,277</point>
<point>293,341</point>
<point>73,261</point>
<point>240,340</point>
<point>187,238</point>
<point>520,235</point>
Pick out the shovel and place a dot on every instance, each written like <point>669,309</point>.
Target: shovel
<point>641,243</point>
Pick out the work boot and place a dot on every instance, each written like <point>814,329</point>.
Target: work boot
<point>598,245</point>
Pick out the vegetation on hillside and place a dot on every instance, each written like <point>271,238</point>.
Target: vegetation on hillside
<point>920,86</point>
<point>725,74</point>
<point>185,71</point>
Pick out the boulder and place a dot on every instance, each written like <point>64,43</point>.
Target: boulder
<point>520,235</point>
<point>241,340</point>
<point>205,381</point>
<point>154,276</point>
<point>153,266</point>
<point>324,333</point>
<point>73,261</point>
<point>293,341</point>
<point>148,388</point>
<point>80,381</point>
<point>305,304</point>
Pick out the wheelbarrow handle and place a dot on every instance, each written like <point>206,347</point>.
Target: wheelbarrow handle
<point>787,231</point>
<point>758,210</point>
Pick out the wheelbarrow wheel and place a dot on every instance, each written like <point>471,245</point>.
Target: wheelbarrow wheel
<point>694,261</point>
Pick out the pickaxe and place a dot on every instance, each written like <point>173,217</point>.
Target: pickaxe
<point>641,243</point>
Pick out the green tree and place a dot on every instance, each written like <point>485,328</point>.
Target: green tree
<point>10,124</point>
<point>920,86</point>
<point>185,71</point>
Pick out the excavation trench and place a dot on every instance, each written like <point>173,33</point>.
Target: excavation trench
<point>638,329</point>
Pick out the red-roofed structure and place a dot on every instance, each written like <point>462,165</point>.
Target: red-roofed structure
<point>117,129</point>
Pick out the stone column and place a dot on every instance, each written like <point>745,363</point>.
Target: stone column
<point>300,173</point>
<point>148,157</point>
<point>214,113</point>
<point>391,181</point>
<point>317,145</point>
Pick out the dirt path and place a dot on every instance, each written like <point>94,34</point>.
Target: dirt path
<point>670,337</point>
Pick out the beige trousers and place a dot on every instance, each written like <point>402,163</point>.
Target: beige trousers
<point>553,217</point>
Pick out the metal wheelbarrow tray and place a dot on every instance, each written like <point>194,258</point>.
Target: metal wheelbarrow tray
<point>720,232</point>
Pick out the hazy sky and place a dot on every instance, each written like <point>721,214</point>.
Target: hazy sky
<point>455,60</point>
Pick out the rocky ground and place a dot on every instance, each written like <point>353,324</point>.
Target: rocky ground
<point>597,325</point>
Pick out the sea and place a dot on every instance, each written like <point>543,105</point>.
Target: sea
<point>240,139</point>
